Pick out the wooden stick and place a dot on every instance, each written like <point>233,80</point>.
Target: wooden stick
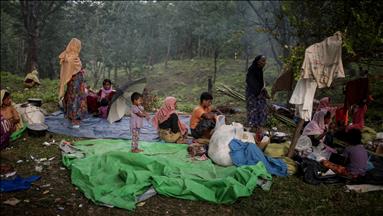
<point>297,133</point>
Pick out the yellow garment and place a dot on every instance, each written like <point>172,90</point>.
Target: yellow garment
<point>168,136</point>
<point>33,76</point>
<point>70,63</point>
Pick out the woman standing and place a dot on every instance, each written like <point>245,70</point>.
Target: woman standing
<point>256,94</point>
<point>72,76</point>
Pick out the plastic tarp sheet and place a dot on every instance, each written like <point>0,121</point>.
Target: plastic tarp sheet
<point>93,127</point>
<point>110,174</point>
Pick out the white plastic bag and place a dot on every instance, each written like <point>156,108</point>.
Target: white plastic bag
<point>219,150</point>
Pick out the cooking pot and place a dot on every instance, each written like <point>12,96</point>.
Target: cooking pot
<point>37,129</point>
<point>35,101</point>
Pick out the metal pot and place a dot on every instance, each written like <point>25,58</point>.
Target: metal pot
<point>37,130</point>
<point>35,101</point>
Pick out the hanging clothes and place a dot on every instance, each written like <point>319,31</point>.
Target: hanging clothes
<point>283,82</point>
<point>323,61</point>
<point>356,91</point>
<point>303,98</point>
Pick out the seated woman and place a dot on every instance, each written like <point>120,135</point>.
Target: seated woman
<point>9,113</point>
<point>202,120</point>
<point>325,105</point>
<point>32,79</point>
<point>168,124</point>
<point>355,155</point>
<point>313,139</point>
<point>101,99</point>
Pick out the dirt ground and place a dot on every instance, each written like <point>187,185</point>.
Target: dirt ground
<point>54,194</point>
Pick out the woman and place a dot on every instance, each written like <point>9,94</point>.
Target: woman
<point>72,76</point>
<point>313,136</point>
<point>325,105</point>
<point>104,96</point>
<point>10,120</point>
<point>256,94</point>
<point>168,123</point>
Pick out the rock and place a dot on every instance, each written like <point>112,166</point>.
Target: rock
<point>12,201</point>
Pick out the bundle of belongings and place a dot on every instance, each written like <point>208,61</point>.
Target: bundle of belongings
<point>322,63</point>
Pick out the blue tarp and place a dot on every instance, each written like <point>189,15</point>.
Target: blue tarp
<point>243,153</point>
<point>93,127</point>
<point>17,183</point>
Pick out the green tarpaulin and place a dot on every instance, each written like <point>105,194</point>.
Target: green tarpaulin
<point>110,174</point>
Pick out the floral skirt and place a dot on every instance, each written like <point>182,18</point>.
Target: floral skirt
<point>256,109</point>
<point>75,106</point>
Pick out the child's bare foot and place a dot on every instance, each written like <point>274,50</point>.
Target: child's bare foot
<point>137,150</point>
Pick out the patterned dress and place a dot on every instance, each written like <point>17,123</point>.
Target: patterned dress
<point>75,106</point>
<point>256,108</point>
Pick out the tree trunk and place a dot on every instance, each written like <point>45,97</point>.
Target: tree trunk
<point>168,51</point>
<point>215,65</point>
<point>115,74</point>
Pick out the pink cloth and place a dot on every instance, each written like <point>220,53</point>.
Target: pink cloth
<point>136,121</point>
<point>358,117</point>
<point>164,113</point>
<point>324,103</point>
<point>316,126</point>
<point>103,111</point>
<point>105,93</point>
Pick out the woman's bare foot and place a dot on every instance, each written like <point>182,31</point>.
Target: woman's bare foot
<point>137,150</point>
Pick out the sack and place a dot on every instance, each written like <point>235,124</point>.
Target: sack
<point>219,150</point>
<point>31,114</point>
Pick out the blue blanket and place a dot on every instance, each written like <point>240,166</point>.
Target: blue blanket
<point>243,153</point>
<point>93,127</point>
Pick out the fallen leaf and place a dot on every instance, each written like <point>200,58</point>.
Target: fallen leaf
<point>140,204</point>
<point>45,192</point>
<point>12,201</point>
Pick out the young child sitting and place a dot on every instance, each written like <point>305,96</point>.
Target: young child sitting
<point>136,120</point>
<point>355,154</point>
<point>202,120</point>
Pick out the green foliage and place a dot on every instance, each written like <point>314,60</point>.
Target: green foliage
<point>295,60</point>
<point>47,91</point>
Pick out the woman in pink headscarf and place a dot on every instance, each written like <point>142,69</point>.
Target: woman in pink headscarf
<point>168,123</point>
<point>325,105</point>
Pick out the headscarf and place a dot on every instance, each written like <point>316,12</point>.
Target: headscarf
<point>254,77</point>
<point>3,91</point>
<point>316,126</point>
<point>70,63</point>
<point>33,76</point>
<point>164,113</point>
<point>324,103</point>
<point>105,92</point>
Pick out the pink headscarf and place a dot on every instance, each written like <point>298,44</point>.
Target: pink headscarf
<point>316,126</point>
<point>324,103</point>
<point>105,92</point>
<point>164,113</point>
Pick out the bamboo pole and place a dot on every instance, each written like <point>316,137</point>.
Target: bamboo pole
<point>297,133</point>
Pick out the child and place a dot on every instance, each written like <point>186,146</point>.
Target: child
<point>202,120</point>
<point>355,154</point>
<point>103,109</point>
<point>136,120</point>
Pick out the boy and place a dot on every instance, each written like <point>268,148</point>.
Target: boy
<point>202,120</point>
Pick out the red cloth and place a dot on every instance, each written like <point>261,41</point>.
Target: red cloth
<point>356,91</point>
<point>341,116</point>
<point>358,117</point>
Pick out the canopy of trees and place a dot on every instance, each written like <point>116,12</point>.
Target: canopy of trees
<point>130,34</point>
